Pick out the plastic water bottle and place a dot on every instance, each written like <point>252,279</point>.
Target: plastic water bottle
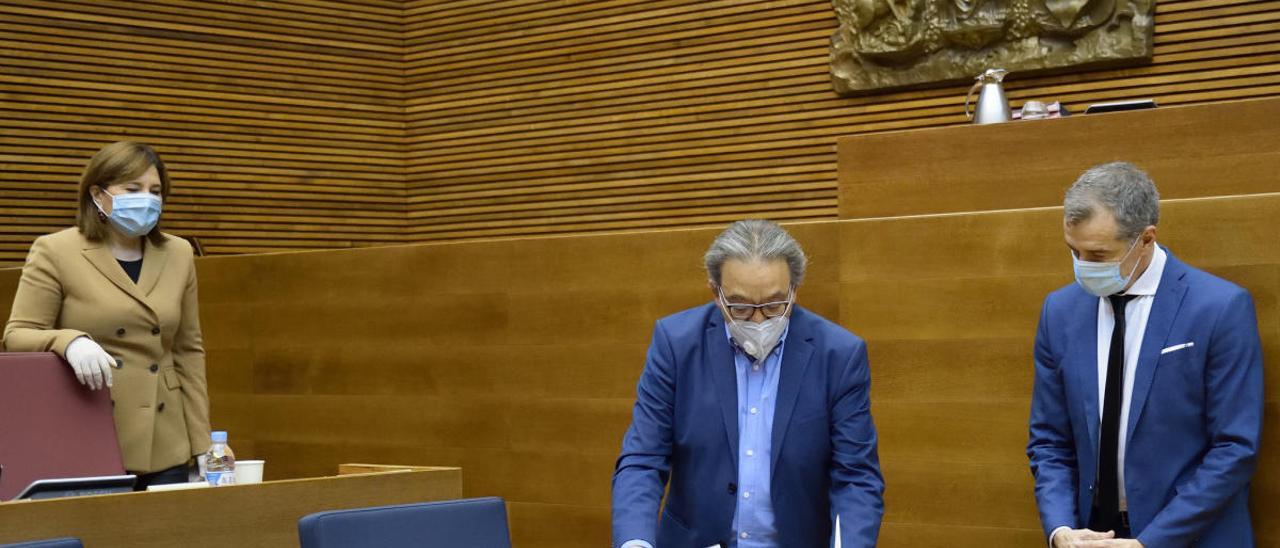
<point>220,462</point>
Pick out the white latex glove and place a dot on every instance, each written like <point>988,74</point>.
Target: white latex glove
<point>91,363</point>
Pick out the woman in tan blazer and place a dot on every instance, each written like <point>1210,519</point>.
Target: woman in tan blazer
<point>116,298</point>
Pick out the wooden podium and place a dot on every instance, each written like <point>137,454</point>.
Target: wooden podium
<point>1218,149</point>
<point>261,514</point>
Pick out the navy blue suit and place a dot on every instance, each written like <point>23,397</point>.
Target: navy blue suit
<point>1195,418</point>
<point>684,436</point>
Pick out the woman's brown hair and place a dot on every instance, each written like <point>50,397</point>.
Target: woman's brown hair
<point>116,163</point>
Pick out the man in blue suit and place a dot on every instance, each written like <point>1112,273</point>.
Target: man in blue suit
<point>753,414</point>
<point>1147,410</point>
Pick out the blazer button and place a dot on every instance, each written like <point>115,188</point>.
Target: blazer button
<point>120,332</point>
<point>160,408</point>
<point>733,488</point>
<point>155,330</point>
<point>154,368</point>
<point>119,363</point>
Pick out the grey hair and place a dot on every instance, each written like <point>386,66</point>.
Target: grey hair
<point>755,239</point>
<point>1122,188</point>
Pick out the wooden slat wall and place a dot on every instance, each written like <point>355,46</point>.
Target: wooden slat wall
<point>281,122</point>
<point>526,117</point>
<point>313,123</point>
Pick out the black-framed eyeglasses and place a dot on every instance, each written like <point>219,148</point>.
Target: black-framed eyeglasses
<point>744,311</point>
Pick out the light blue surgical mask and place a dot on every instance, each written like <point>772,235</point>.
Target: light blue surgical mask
<point>134,213</point>
<point>1104,279</point>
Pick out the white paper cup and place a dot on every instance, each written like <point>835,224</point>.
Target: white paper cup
<point>177,486</point>
<point>249,471</point>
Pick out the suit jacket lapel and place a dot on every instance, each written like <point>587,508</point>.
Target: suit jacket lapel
<point>796,354</point>
<point>99,255</point>
<point>153,262</point>
<point>724,378</point>
<point>1084,358</point>
<point>1164,309</point>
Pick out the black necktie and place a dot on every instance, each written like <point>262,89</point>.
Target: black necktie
<point>1108,502</point>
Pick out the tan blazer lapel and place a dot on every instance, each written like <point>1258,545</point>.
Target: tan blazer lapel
<point>153,261</point>
<point>99,255</point>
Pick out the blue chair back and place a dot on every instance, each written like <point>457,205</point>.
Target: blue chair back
<point>468,523</point>
<point>51,543</point>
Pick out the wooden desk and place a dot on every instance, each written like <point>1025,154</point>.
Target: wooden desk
<point>263,514</point>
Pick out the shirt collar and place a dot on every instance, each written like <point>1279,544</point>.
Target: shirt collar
<point>1149,281</point>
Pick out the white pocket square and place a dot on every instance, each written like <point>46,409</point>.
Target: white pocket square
<point>1177,347</point>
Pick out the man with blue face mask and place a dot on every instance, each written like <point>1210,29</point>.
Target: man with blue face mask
<point>752,414</point>
<point>1147,408</point>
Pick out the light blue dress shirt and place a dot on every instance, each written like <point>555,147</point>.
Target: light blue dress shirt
<point>753,523</point>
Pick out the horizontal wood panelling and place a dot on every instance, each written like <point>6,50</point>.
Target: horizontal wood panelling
<point>486,121</point>
<point>281,123</point>
<point>164,19</point>
<point>526,119</point>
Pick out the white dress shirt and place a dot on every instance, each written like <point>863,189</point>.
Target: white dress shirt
<point>1136,314</point>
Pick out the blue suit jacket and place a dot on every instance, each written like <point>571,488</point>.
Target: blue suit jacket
<point>685,430</point>
<point>1194,422</point>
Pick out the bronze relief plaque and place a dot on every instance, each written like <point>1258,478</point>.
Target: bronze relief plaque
<point>884,44</point>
